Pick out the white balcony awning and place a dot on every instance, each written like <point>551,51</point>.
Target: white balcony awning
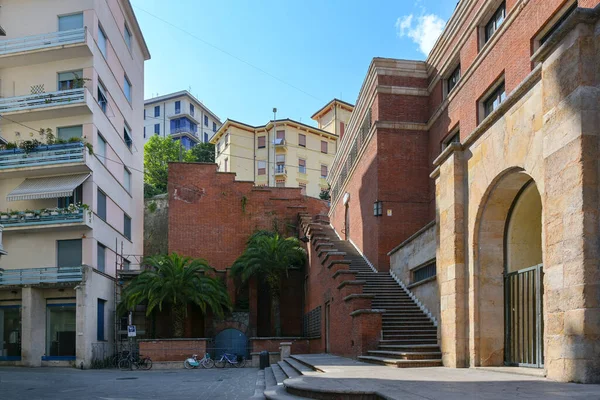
<point>51,187</point>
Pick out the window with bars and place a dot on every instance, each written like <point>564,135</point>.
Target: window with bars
<point>425,272</point>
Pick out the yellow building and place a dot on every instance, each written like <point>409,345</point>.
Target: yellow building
<point>286,153</point>
<point>334,116</point>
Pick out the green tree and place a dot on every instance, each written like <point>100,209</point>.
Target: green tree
<point>158,152</point>
<point>176,281</point>
<point>269,257</point>
<point>203,152</point>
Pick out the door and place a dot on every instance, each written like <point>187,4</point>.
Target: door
<point>69,253</point>
<point>327,318</point>
<point>524,317</point>
<point>231,341</point>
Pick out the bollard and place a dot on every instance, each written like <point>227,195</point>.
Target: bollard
<point>264,359</point>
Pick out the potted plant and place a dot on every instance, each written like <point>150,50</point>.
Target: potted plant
<point>44,212</point>
<point>14,214</point>
<point>29,213</point>
<point>3,215</point>
<point>54,211</point>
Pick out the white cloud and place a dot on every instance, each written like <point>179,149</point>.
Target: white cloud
<point>424,33</point>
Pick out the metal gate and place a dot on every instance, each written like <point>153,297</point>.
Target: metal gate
<point>231,341</point>
<point>523,294</point>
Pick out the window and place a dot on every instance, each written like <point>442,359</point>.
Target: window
<point>425,272</point>
<point>192,110</point>
<point>102,98</point>
<point>219,148</point>
<point>127,137</point>
<point>205,120</point>
<point>323,147</point>
<point>144,132</point>
<point>301,140</point>
<point>157,111</point>
<point>68,253</point>
<point>262,142</point>
<point>100,319</point>
<point>126,265</point>
<point>323,171</point>
<point>378,208</point>
<point>301,166</point>
<point>76,197</point>
<point>101,210</point>
<point>68,132</point>
<point>495,21</point>
<point>558,23</point>
<point>70,80</point>
<point>102,41</point>
<point>205,137</point>
<point>127,226</point>
<point>453,79</point>
<point>127,179</point>
<point>60,331</point>
<point>262,168</point>
<point>101,259</point>
<point>280,164</point>
<point>177,107</point>
<point>68,22</point>
<point>127,88</point>
<point>144,114</point>
<point>214,126</point>
<point>494,100</point>
<point>342,128</point>
<point>127,36</point>
<point>10,332</point>
<point>281,135</point>
<point>226,138</point>
<point>452,138</point>
<point>157,128</point>
<point>302,188</point>
<point>101,150</point>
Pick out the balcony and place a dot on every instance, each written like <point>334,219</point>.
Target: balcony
<point>53,158</point>
<point>45,219</point>
<point>185,113</point>
<point>40,276</point>
<point>185,131</point>
<point>280,145</point>
<point>46,47</point>
<point>280,171</point>
<point>64,103</point>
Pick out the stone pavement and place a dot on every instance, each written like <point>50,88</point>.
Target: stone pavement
<point>346,376</point>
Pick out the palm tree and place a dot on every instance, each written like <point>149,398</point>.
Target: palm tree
<point>269,256</point>
<point>176,281</point>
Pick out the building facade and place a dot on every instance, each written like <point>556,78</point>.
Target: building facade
<point>180,116</point>
<point>71,181</point>
<point>286,153</point>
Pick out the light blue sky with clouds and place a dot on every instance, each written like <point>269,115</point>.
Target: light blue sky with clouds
<point>242,58</point>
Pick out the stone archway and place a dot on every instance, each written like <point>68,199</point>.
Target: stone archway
<point>504,219</point>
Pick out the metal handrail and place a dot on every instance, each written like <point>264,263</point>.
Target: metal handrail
<point>45,40</point>
<point>31,276</point>
<point>42,155</point>
<point>61,215</point>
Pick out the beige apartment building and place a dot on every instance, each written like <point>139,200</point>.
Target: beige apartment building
<point>71,184</point>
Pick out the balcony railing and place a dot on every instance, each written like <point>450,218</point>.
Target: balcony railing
<point>280,170</point>
<point>43,155</point>
<point>42,100</point>
<point>42,217</point>
<point>34,276</point>
<point>46,40</point>
<point>279,142</point>
<point>176,131</point>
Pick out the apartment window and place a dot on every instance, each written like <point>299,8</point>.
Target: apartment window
<point>301,166</point>
<point>280,164</point>
<point>127,88</point>
<point>127,36</point>
<point>495,21</point>
<point>157,129</point>
<point>102,41</point>
<point>205,120</point>
<point>101,150</point>
<point>452,138</point>
<point>126,265</point>
<point>157,111</point>
<point>144,132</point>
<point>323,147</point>
<point>425,272</point>
<point>342,129</point>
<point>76,197</point>
<point>127,179</point>
<point>68,253</point>
<point>281,135</point>
<point>262,142</point>
<point>558,23</point>
<point>323,171</point>
<point>205,137</point>
<point>101,259</point>
<point>453,79</point>
<point>102,97</point>
<point>177,107</point>
<point>127,137</point>
<point>378,208</point>
<point>192,110</point>
<point>226,138</point>
<point>70,80</point>
<point>214,126</point>
<point>262,167</point>
<point>100,320</point>
<point>302,188</point>
<point>144,114</point>
<point>127,226</point>
<point>101,210</point>
<point>69,22</point>
<point>301,140</point>
<point>219,148</point>
<point>494,100</point>
<point>68,132</point>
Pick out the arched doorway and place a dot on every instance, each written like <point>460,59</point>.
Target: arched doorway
<point>508,275</point>
<point>231,341</point>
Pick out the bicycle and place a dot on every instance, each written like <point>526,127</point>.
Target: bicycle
<point>193,362</point>
<point>130,361</point>
<point>230,359</point>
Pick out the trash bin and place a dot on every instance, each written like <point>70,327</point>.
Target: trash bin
<point>264,359</point>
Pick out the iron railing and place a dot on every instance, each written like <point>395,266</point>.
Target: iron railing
<point>45,40</point>
<point>42,100</point>
<point>42,155</point>
<point>34,276</point>
<point>43,217</point>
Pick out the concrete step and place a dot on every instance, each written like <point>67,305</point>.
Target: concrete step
<point>279,374</point>
<point>392,362</point>
<point>389,345</point>
<point>279,393</point>
<point>408,342</point>
<point>288,370</point>
<point>410,328</point>
<point>270,379</point>
<point>407,355</point>
<point>298,366</point>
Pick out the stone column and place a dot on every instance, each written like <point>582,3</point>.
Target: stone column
<point>285,349</point>
<point>33,327</point>
<point>451,257</point>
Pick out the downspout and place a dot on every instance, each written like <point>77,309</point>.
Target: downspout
<point>254,151</point>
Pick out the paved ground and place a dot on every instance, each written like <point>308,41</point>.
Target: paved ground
<point>180,384</point>
<point>347,376</point>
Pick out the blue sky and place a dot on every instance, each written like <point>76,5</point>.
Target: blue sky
<point>311,50</point>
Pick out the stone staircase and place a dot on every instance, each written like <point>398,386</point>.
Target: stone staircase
<point>274,376</point>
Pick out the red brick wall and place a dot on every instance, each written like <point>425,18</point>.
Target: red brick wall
<point>172,349</point>
<point>299,346</point>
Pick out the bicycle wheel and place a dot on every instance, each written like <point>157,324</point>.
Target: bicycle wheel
<point>187,365</point>
<point>241,361</point>
<point>124,364</point>
<point>220,363</point>
<point>145,364</point>
<point>209,363</point>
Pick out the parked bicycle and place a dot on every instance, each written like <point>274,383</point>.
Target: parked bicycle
<point>139,362</point>
<point>230,359</point>
<point>193,362</point>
